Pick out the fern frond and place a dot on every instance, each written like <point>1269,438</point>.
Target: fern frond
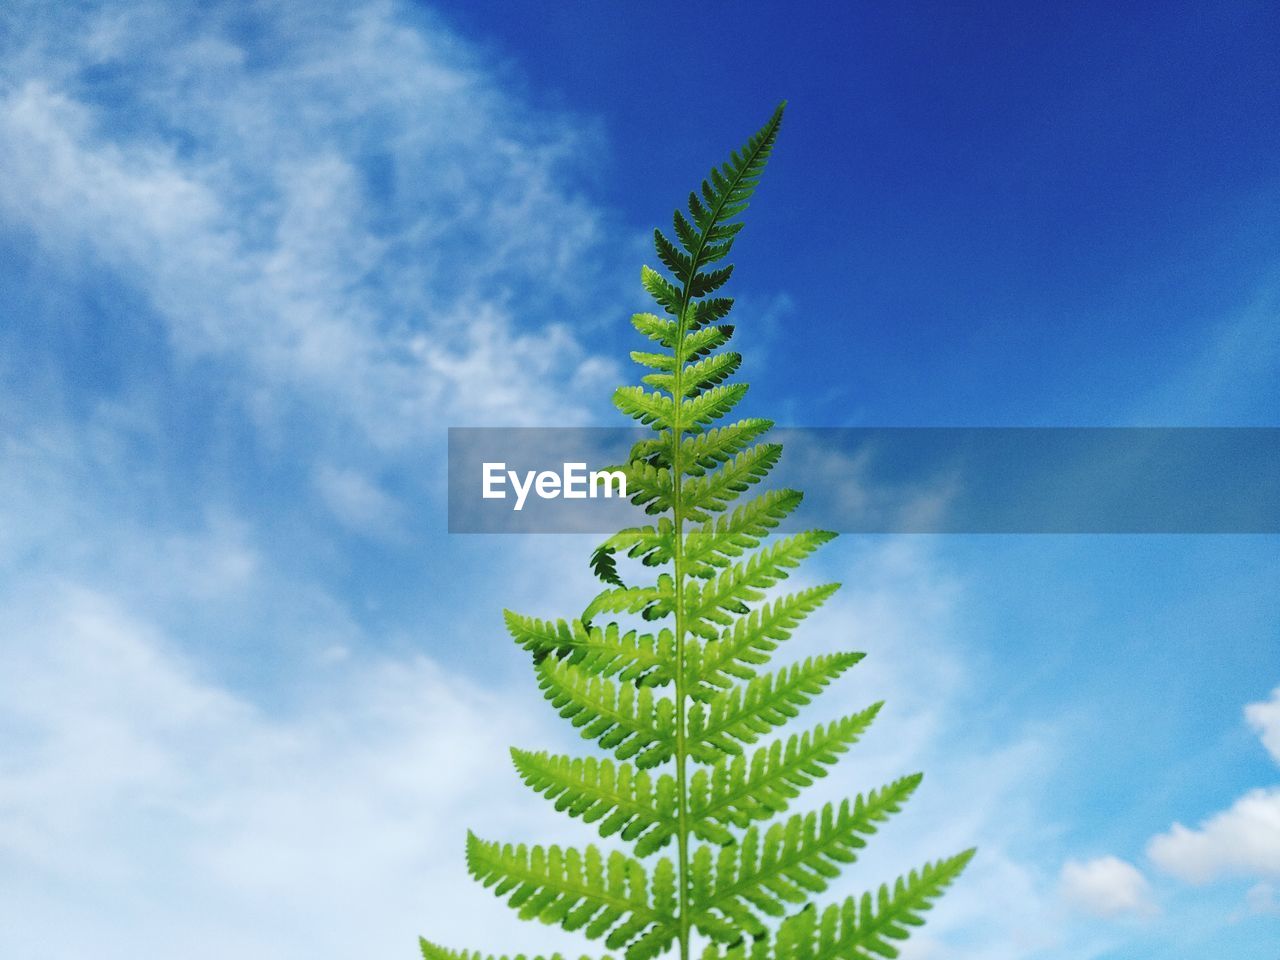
<point>583,890</point>
<point>707,549</point>
<point>705,451</point>
<point>696,377</point>
<point>651,602</point>
<point>713,602</point>
<point>743,714</point>
<point>709,311</point>
<point>679,263</point>
<point>652,545</point>
<point>604,651</point>
<point>655,361</point>
<point>736,791</point>
<point>689,694</point>
<point>701,342</point>
<point>631,721</point>
<point>724,195</point>
<point>432,951</point>
<point>791,861</point>
<point>713,491</point>
<point>700,451</point>
<point>710,405</point>
<point>605,565</point>
<point>648,408</point>
<point>650,486</point>
<point>717,542</point>
<point>662,290</point>
<point>862,927</point>
<point>751,639</point>
<point>709,371</point>
<point>621,799</point>
<point>712,280</point>
<point>656,328</point>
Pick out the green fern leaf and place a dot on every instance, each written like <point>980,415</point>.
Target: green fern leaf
<point>718,542</point>
<point>653,602</point>
<point>860,927</point>
<point>709,406</point>
<point>713,491</point>
<point>656,328</point>
<point>737,791</point>
<point>631,721</point>
<point>650,486</point>
<point>681,708</point>
<point>701,342</point>
<point>709,311</point>
<point>578,890</point>
<point>792,860</point>
<point>648,408</point>
<point>605,565</point>
<point>607,651</point>
<point>621,799</point>
<point>751,639</point>
<point>652,546</point>
<point>712,603</point>
<point>743,714</point>
<point>696,376</point>
<point>704,451</point>
<point>431,951</point>
<point>661,289</point>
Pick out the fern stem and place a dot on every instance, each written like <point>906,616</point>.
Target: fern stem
<point>677,509</point>
<point>677,559</point>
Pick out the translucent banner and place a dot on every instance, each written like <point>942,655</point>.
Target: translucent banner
<point>899,480</point>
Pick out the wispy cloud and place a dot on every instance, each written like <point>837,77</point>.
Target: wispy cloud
<point>1261,900</point>
<point>1106,886</point>
<point>1264,718</point>
<point>356,213</point>
<point>343,230</point>
<point>146,802</point>
<point>358,502</point>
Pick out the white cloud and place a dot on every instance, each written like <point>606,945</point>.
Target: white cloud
<point>1106,886</point>
<point>1262,900</point>
<point>1226,370</point>
<point>358,503</point>
<point>356,212</point>
<point>1264,717</point>
<point>1242,840</point>
<point>145,803</point>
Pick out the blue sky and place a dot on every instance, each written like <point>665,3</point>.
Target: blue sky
<point>256,259</point>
